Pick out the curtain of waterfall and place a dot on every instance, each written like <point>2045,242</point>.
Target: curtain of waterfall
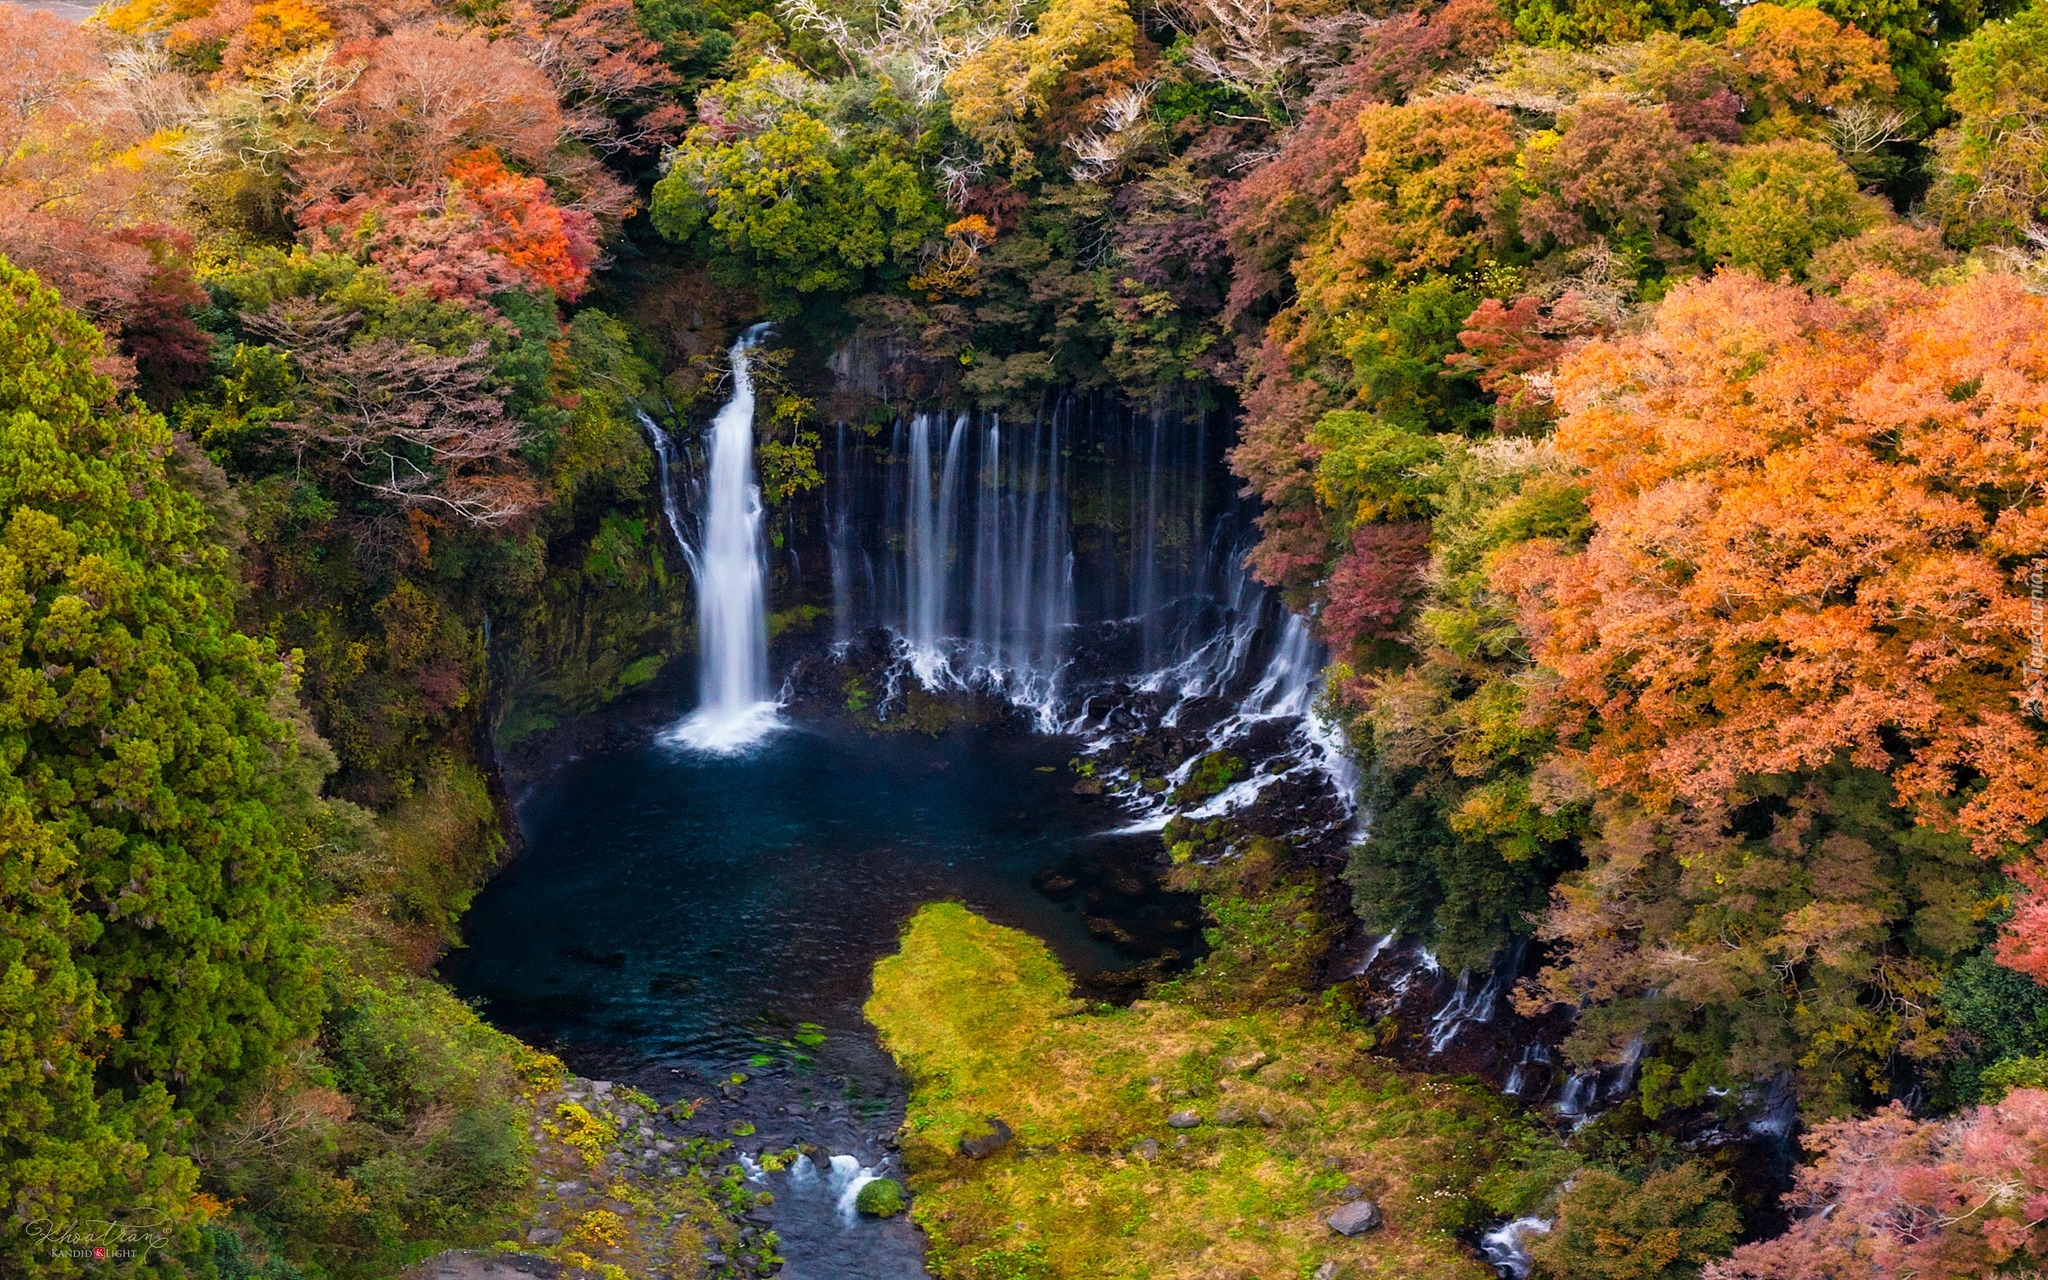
<point>735,709</point>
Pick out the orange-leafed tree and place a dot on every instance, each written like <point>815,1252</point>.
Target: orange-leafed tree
<point>427,97</point>
<point>1814,521</point>
<point>482,230</point>
<point>1792,656</point>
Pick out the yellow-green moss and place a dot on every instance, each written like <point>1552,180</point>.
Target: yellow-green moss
<point>1294,1107</point>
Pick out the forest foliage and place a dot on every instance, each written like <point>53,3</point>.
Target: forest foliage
<point>1642,397</point>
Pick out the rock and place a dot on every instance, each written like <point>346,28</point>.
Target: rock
<point>1266,1118</point>
<point>882,1198</point>
<point>1232,1114</point>
<point>1146,1150</point>
<point>544,1236</point>
<point>1183,1120</point>
<point>1356,1218</point>
<point>569,1188</point>
<point>1088,787</point>
<point>664,1146</point>
<point>1246,1063</point>
<point>1349,1192</point>
<point>1328,1271</point>
<point>600,1087</point>
<point>985,1145</point>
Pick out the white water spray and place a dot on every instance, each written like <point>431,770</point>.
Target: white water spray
<point>734,709</point>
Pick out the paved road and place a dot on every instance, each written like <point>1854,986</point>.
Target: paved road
<point>62,8</point>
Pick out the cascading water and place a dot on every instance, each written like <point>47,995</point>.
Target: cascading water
<point>973,566</point>
<point>1505,1249</point>
<point>671,504</point>
<point>734,710</point>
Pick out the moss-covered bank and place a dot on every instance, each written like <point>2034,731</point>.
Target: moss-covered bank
<point>1106,1176</point>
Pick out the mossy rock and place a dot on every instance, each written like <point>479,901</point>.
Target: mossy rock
<point>882,1198</point>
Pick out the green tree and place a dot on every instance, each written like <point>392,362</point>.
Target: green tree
<point>153,952</point>
<point>1664,1228</point>
<point>1993,164</point>
<point>801,204</point>
<point>1776,204</point>
<point>1592,22</point>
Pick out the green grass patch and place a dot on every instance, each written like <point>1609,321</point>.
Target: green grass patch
<point>1294,1107</point>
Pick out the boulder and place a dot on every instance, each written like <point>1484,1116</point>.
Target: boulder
<point>1356,1218</point>
<point>1246,1063</point>
<point>882,1198</point>
<point>1146,1150</point>
<point>1183,1120</point>
<point>982,1146</point>
<point>544,1236</point>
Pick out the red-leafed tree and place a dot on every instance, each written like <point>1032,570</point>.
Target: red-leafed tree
<point>426,98</point>
<point>1892,1198</point>
<point>483,230</point>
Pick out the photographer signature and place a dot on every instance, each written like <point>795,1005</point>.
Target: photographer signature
<point>101,1233</point>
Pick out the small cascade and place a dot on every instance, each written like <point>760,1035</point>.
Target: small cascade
<point>1285,690</point>
<point>1287,686</point>
<point>1504,1248</point>
<point>1469,1005</point>
<point>734,709</point>
<point>671,504</point>
<point>847,1178</point>
<point>1217,645</point>
<point>1587,1093</point>
<point>1530,1076</point>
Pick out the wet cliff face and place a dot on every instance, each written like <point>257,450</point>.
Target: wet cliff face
<point>1031,556</point>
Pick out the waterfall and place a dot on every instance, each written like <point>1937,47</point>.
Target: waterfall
<point>933,517</point>
<point>960,545</point>
<point>734,709</point>
<point>1504,1250</point>
<point>671,505</point>
<point>1287,687</point>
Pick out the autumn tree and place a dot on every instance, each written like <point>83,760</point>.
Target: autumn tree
<point>1993,161</point>
<point>1778,203</point>
<point>1892,1196</point>
<point>1664,1226</point>
<point>427,97</point>
<point>1383,291</point>
<point>1614,169</point>
<point>409,425</point>
<point>481,230</point>
<point>764,181</point>
<point>1792,649</point>
<point>1041,79</point>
